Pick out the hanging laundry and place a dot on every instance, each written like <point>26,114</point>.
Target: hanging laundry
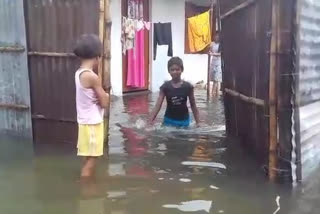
<point>147,25</point>
<point>136,63</point>
<point>139,25</point>
<point>128,34</point>
<point>135,9</point>
<point>162,36</point>
<point>199,32</point>
<point>131,9</point>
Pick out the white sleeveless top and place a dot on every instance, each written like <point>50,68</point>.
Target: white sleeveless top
<point>216,60</point>
<point>88,110</point>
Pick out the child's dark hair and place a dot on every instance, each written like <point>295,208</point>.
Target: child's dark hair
<point>88,46</point>
<point>175,61</point>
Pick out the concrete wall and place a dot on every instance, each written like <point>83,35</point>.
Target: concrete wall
<point>116,53</point>
<point>161,11</point>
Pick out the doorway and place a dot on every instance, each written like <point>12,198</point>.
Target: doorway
<point>135,66</point>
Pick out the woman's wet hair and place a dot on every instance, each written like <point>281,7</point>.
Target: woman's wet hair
<point>175,61</point>
<point>88,46</point>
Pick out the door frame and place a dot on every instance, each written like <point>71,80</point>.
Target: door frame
<point>147,45</point>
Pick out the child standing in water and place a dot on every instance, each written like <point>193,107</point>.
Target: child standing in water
<point>91,100</point>
<point>176,92</point>
<point>216,72</point>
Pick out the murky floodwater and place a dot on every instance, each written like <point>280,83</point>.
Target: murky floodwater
<point>150,170</point>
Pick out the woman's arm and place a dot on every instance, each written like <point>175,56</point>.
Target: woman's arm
<point>157,107</point>
<point>194,107</point>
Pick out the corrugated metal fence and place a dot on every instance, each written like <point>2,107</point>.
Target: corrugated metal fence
<point>259,66</point>
<point>14,80</point>
<point>309,84</point>
<point>246,43</point>
<point>53,27</point>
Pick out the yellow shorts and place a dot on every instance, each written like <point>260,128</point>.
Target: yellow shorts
<point>90,140</point>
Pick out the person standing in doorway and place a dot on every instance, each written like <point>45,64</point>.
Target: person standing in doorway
<point>216,71</point>
<point>176,92</point>
<point>91,100</point>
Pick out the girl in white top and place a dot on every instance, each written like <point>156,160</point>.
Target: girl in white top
<point>91,100</point>
<point>216,72</point>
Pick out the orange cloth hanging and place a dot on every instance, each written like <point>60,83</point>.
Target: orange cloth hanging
<point>199,32</point>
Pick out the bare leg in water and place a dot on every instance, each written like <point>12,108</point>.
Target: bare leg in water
<point>89,166</point>
<point>218,88</point>
<point>215,89</point>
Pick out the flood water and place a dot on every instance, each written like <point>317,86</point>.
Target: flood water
<point>149,170</point>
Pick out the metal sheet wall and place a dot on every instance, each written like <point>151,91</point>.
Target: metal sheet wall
<point>249,29</point>
<point>286,72</point>
<point>245,47</point>
<point>309,44</point>
<point>53,27</point>
<point>14,80</point>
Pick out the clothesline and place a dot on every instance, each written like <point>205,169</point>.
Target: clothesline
<point>139,23</point>
<point>208,11</point>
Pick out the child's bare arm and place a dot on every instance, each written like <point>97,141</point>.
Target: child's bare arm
<point>89,80</point>
<point>103,97</point>
<point>194,107</point>
<point>157,107</point>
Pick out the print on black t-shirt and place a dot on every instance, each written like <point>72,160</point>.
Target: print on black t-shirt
<point>177,101</point>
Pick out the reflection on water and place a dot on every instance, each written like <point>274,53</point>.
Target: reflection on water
<point>191,206</point>
<point>148,170</point>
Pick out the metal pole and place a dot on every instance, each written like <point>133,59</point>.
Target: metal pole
<point>273,122</point>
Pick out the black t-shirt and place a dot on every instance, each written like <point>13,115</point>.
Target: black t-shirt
<point>177,100</point>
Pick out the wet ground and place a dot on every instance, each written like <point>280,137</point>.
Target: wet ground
<point>150,170</point>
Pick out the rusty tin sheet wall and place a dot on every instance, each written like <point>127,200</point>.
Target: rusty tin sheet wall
<point>14,79</point>
<point>245,47</point>
<point>309,84</point>
<point>53,27</point>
